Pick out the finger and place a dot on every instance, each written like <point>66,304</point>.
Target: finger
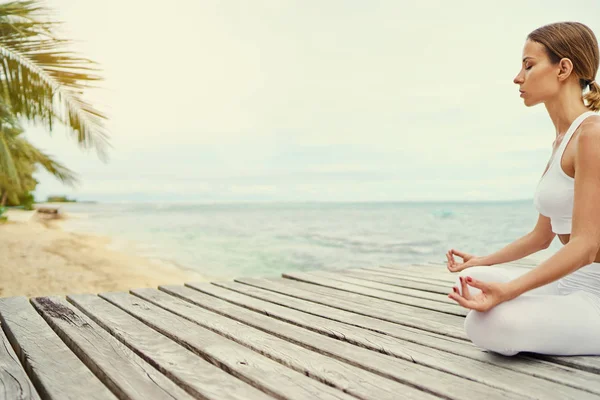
<point>470,304</point>
<point>452,262</point>
<point>456,267</point>
<point>458,253</point>
<point>464,288</point>
<point>483,286</point>
<point>448,263</point>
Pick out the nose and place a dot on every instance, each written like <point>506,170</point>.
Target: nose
<point>518,79</point>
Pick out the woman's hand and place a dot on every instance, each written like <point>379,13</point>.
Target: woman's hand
<point>469,260</point>
<point>492,294</point>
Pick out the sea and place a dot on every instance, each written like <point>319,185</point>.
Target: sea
<point>228,240</point>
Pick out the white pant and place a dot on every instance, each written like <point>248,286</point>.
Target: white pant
<point>548,320</point>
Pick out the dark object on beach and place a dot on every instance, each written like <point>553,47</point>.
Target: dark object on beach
<point>49,212</point>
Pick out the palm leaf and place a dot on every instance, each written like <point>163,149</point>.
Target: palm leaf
<point>17,154</point>
<point>41,80</point>
<point>32,155</point>
<point>9,129</point>
<point>7,164</point>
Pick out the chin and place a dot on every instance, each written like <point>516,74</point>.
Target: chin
<point>530,103</point>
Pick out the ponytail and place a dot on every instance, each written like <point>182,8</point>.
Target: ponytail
<point>593,96</point>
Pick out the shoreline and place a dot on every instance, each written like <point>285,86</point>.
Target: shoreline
<point>39,258</point>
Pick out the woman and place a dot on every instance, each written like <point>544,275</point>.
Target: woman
<point>555,307</point>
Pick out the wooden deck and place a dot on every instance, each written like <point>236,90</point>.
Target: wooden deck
<point>373,333</point>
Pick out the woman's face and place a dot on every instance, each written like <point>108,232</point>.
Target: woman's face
<point>537,77</point>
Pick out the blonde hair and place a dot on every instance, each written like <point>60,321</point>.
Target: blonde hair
<point>577,42</point>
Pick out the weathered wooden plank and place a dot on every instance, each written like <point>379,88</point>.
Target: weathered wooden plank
<point>14,382</point>
<point>190,371</point>
<point>471,369</point>
<point>412,274</point>
<point>425,266</point>
<point>400,369</point>
<point>405,315</point>
<point>258,370</point>
<point>358,295</point>
<point>125,373</point>
<point>410,291</point>
<point>333,283</point>
<point>395,281</point>
<point>355,381</point>
<point>521,363</point>
<point>55,371</point>
<point>586,363</point>
<point>408,275</point>
<point>440,275</point>
<point>328,310</point>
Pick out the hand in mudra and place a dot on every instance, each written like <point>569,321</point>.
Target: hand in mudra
<point>469,260</point>
<point>492,294</point>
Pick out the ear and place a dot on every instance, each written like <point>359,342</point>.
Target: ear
<point>565,67</point>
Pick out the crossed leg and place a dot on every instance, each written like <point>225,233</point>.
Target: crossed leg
<point>539,321</point>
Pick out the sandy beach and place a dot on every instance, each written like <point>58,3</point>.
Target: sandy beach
<point>38,258</point>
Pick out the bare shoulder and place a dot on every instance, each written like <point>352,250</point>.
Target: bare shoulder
<point>588,146</point>
<point>590,129</point>
<point>591,123</point>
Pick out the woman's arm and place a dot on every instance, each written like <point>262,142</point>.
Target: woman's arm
<point>569,258</point>
<point>538,239</point>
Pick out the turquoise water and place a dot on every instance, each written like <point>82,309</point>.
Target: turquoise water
<point>231,240</point>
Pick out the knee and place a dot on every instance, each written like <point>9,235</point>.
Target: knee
<point>495,330</point>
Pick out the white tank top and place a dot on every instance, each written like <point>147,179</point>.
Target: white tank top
<point>554,194</point>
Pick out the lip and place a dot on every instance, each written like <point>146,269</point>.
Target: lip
<point>522,93</point>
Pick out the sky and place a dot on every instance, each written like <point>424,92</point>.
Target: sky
<point>329,100</point>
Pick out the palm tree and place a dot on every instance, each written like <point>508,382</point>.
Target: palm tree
<point>19,158</point>
<point>43,82</point>
<point>26,158</point>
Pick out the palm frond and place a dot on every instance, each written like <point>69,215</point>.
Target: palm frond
<point>7,163</point>
<point>33,155</point>
<point>41,80</point>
